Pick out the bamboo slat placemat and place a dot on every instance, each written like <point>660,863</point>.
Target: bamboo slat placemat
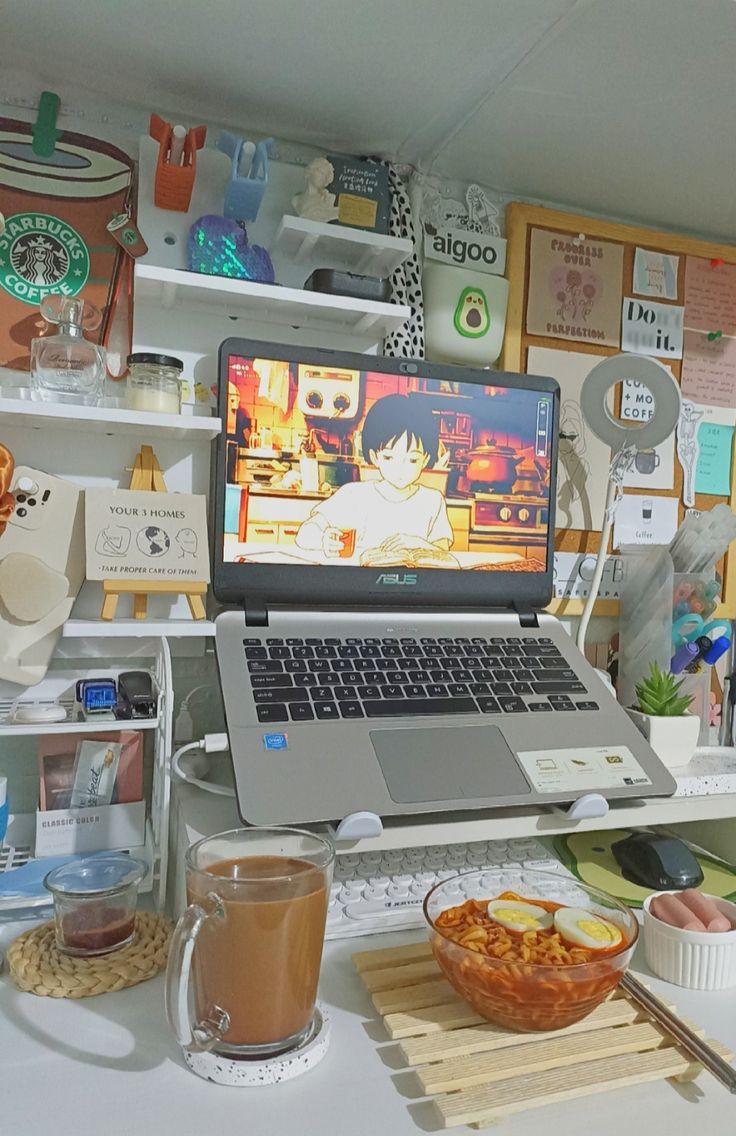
<point>478,1073</point>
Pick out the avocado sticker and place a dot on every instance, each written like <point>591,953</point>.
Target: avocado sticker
<point>471,314</point>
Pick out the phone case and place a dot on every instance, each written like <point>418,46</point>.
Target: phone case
<point>42,562</point>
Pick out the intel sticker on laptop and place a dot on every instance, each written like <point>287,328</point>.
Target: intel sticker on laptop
<point>275,741</point>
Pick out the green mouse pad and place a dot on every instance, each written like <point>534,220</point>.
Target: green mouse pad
<point>588,855</point>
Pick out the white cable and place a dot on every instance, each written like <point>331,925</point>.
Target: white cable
<point>621,462</point>
<point>595,583</point>
<point>211,743</point>
<point>184,724</point>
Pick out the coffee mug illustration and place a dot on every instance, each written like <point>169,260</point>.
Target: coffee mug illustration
<point>646,461</point>
<point>647,507</point>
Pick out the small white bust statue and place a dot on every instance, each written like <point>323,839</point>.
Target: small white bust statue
<point>317,203</point>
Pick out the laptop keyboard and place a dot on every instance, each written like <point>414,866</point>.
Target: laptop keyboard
<point>307,680</point>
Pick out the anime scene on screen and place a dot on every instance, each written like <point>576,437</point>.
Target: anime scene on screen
<point>339,467</point>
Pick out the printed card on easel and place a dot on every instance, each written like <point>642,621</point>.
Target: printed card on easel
<point>146,536</point>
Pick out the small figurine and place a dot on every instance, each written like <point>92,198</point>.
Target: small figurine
<point>317,203</point>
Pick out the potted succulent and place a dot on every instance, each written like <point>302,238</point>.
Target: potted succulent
<point>662,715</point>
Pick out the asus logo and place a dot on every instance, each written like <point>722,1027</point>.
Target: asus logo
<point>395,578</point>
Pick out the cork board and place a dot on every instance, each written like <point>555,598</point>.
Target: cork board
<point>521,222</point>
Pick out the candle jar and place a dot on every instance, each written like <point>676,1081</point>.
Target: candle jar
<point>154,383</point>
<point>95,901</point>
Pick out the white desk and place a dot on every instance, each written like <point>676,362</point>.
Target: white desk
<point>110,1065</point>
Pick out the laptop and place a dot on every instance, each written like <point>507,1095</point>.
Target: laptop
<point>383,534</point>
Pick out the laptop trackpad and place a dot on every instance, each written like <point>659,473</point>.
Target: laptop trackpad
<point>447,764</point>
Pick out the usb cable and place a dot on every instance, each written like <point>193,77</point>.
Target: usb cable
<point>197,766</point>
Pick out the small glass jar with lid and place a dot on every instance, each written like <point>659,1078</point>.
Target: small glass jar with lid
<point>154,383</point>
<point>95,902</point>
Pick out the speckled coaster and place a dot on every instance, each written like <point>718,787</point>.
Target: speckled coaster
<point>38,967</point>
<point>248,1073</point>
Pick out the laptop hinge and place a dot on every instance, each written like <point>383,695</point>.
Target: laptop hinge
<point>527,617</point>
<point>256,614</point>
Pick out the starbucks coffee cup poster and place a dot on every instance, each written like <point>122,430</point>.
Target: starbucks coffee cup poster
<point>55,238</point>
<point>575,288</point>
<point>146,536</point>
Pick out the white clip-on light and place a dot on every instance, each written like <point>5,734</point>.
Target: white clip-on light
<point>625,441</point>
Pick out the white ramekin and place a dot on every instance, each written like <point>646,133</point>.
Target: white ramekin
<point>698,960</point>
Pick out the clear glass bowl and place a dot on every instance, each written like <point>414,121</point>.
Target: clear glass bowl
<point>94,903</point>
<point>522,995</point>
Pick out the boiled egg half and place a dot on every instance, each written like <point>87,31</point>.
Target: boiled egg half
<point>586,929</point>
<point>518,916</point>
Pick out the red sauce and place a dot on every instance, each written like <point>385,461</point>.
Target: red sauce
<point>492,974</point>
<point>96,928</point>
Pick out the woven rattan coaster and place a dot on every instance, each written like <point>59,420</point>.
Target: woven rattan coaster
<point>37,966</point>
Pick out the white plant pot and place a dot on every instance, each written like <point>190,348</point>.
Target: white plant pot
<point>674,740</point>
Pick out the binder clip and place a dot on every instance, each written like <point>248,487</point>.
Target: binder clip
<point>176,167</point>
<point>249,176</point>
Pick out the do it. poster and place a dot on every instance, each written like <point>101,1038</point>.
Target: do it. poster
<point>575,288</point>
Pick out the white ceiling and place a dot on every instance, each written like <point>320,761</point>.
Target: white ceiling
<point>626,107</point>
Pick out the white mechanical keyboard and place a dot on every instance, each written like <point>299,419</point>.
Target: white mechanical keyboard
<point>384,891</point>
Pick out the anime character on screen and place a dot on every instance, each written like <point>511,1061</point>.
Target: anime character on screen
<point>393,514</point>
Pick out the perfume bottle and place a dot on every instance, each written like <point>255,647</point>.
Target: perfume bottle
<point>66,367</point>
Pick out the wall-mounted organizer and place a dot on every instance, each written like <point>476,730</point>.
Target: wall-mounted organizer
<point>522,347</point>
<point>163,283</point>
<point>20,748</point>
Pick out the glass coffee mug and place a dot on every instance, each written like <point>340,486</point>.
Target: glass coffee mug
<point>245,956</point>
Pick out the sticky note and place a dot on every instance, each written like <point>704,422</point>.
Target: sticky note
<point>713,471</point>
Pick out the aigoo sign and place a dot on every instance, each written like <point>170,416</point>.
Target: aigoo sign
<point>465,249</point>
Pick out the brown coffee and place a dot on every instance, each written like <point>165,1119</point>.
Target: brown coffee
<point>260,963</point>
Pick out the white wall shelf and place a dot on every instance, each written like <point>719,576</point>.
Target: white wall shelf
<point>35,729</point>
<point>172,288</point>
<point>138,629</point>
<point>58,688</point>
<point>336,246</point>
<point>17,409</point>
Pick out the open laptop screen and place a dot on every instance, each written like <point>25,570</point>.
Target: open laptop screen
<point>338,461</point>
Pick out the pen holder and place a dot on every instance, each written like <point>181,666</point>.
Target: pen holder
<point>694,603</point>
<point>244,192</point>
<point>173,184</point>
<point>645,616</point>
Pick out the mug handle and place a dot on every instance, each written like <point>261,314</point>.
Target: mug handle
<point>198,1036</point>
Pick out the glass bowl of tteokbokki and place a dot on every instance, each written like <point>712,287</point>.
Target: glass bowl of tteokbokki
<point>538,955</point>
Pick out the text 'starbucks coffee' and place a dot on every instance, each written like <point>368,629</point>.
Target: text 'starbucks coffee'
<point>55,238</point>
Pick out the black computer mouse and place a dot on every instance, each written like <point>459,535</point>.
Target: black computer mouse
<point>654,860</point>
